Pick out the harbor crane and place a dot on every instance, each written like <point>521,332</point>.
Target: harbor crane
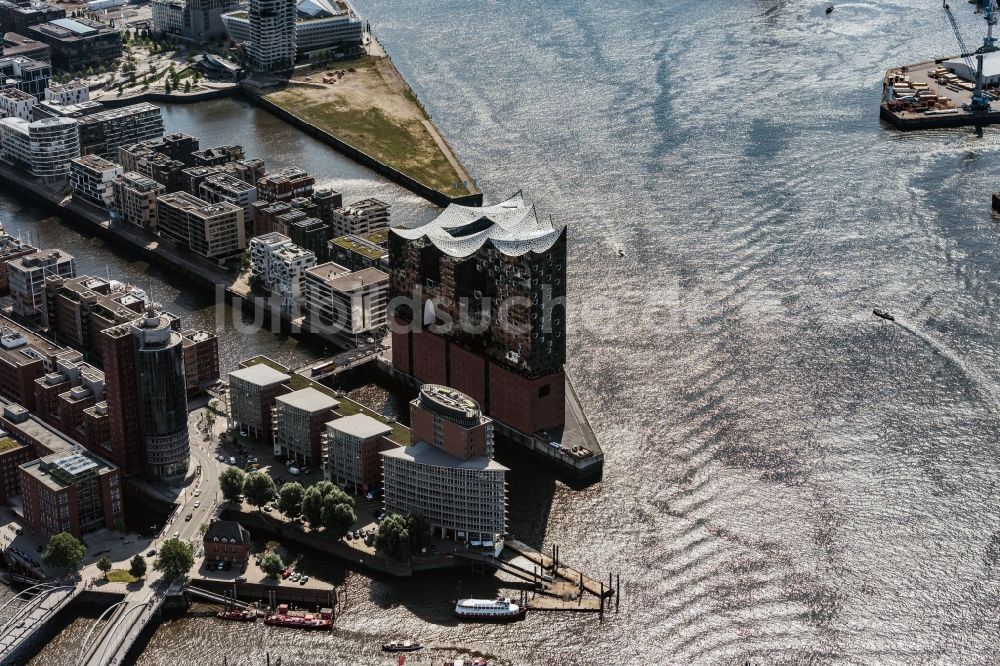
<point>990,12</point>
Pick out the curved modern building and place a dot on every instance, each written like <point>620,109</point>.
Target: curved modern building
<point>45,147</point>
<point>162,396</point>
<point>448,475</point>
<point>318,25</point>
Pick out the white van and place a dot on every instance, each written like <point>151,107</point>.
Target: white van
<point>232,460</point>
<point>294,471</point>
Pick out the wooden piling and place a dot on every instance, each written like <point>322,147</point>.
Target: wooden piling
<point>601,616</point>
<point>618,590</point>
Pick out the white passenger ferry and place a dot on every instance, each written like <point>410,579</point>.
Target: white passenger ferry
<point>489,610</point>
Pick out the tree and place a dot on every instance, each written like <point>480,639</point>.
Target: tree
<point>137,567</point>
<point>420,532</point>
<point>105,564</point>
<point>187,86</point>
<point>258,489</point>
<point>64,551</point>
<point>399,536</point>
<point>166,87</point>
<point>272,565</point>
<point>175,559</point>
<point>337,516</point>
<point>231,483</point>
<point>312,503</point>
<point>393,537</point>
<point>290,499</point>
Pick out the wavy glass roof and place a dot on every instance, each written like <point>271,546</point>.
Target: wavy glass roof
<point>512,226</point>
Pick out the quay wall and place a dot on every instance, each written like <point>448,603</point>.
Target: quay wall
<point>172,98</point>
<point>290,532</point>
<point>434,196</point>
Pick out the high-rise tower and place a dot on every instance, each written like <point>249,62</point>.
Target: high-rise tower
<point>272,35</point>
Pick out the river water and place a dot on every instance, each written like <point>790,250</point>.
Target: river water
<point>788,479</point>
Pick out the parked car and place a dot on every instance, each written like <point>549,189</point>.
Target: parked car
<point>188,517</point>
<point>303,580</point>
<point>197,493</point>
<point>375,494</point>
<point>295,577</point>
<point>286,573</point>
<point>232,460</point>
<point>151,553</point>
<point>197,503</point>
<point>294,471</point>
<point>177,534</point>
<point>241,579</point>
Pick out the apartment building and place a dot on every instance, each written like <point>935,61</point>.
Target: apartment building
<point>214,231</point>
<point>361,217</point>
<point>277,266</point>
<point>92,179</point>
<point>249,171</point>
<point>285,185</point>
<point>272,35</point>
<point>448,474</point>
<point>104,132</point>
<point>312,234</point>
<point>27,276</point>
<point>252,391</point>
<point>357,252</point>
<point>219,187</point>
<point>13,454</point>
<point>144,159</point>
<point>44,147</point>
<point>201,359</point>
<point>352,445</point>
<point>24,357</point>
<point>25,74</point>
<point>299,421</point>
<point>11,247</point>
<point>16,103</point>
<point>135,198</point>
<point>343,302</point>
<point>71,92</point>
<point>217,156</point>
<point>77,309</point>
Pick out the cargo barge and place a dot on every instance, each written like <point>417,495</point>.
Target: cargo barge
<point>928,95</point>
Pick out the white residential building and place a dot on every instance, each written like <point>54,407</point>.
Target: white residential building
<point>225,187</point>
<point>340,301</point>
<point>277,265</point>
<point>15,103</point>
<point>27,276</point>
<point>360,218</point>
<point>45,147</point>
<point>65,94</point>
<point>92,178</point>
<point>135,199</point>
<point>213,230</point>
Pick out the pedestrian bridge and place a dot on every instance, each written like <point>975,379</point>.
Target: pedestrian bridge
<point>27,611</point>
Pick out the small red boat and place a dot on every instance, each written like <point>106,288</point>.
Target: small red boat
<point>237,615</point>
<point>299,620</point>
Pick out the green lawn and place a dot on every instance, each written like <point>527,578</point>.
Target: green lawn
<point>400,433</point>
<point>121,576</point>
